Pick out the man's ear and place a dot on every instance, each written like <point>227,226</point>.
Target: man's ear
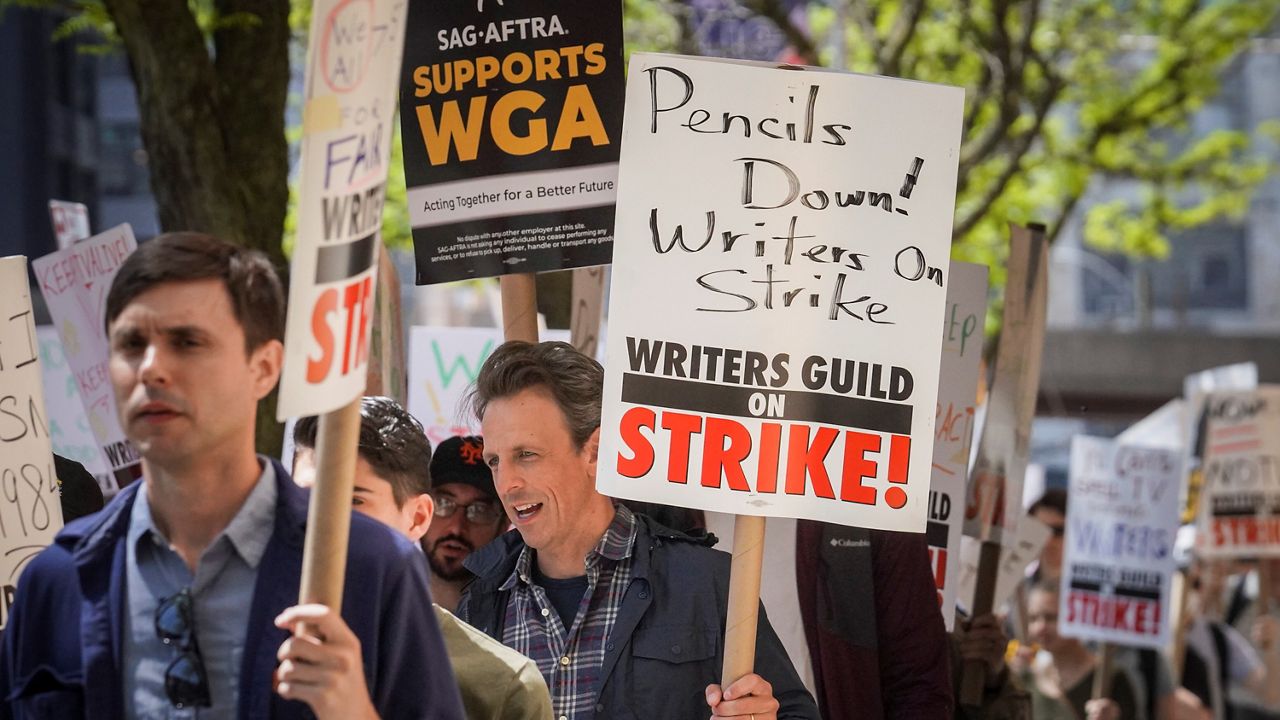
<point>424,509</point>
<point>265,363</point>
<point>592,450</point>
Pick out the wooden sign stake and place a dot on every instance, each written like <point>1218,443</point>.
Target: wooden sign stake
<point>973,681</point>
<point>1102,672</point>
<point>324,554</point>
<point>744,599</point>
<point>519,307</point>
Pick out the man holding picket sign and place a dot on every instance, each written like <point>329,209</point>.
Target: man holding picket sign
<point>621,614</point>
<point>180,595</point>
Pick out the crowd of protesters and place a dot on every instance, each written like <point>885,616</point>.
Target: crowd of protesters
<point>489,578</point>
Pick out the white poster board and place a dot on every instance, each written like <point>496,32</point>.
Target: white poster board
<point>780,255</point>
<point>1118,564</point>
<point>962,338</point>
<point>353,71</point>
<point>1240,509</point>
<point>1030,538</point>
<point>69,430</point>
<point>30,512</point>
<point>75,282</point>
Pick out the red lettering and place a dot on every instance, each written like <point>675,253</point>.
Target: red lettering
<point>350,299</point>
<point>720,461</point>
<point>681,427</point>
<point>770,446</point>
<point>318,370</point>
<point>805,459</point>
<point>858,468</point>
<point>362,344</point>
<point>641,460</point>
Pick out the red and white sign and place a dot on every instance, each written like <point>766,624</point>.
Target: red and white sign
<point>353,66</point>
<point>1240,504</point>
<point>74,283</point>
<point>962,338</point>
<point>1118,564</point>
<point>781,250</point>
<point>70,222</point>
<point>30,512</point>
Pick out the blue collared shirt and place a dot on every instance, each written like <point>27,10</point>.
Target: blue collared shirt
<point>222,591</point>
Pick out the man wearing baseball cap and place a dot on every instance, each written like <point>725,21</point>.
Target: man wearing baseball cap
<point>468,515</point>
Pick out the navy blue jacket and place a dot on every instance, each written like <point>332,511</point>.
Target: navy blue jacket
<point>667,644</point>
<point>61,654</point>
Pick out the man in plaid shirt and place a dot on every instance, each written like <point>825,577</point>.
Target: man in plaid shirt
<point>624,617</point>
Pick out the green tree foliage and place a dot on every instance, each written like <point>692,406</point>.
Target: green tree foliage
<point>1060,96</point>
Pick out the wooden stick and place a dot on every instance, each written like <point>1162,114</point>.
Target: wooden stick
<point>324,554</point>
<point>588,306</point>
<point>1102,672</point>
<point>1181,624</point>
<point>973,681</point>
<point>1271,651</point>
<point>519,307</point>
<point>744,599</point>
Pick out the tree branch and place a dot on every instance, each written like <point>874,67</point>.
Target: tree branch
<point>904,28</point>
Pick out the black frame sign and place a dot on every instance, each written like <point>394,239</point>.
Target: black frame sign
<point>511,117</point>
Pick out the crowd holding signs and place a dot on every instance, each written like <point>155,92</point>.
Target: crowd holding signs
<point>783,241</point>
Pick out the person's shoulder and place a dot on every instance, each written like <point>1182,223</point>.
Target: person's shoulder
<point>691,554</point>
<point>485,668</point>
<point>374,544</point>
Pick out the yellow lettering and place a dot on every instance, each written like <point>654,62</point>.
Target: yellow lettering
<point>452,130</point>
<point>579,118</point>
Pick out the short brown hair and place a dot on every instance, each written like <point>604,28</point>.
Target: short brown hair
<point>257,299</point>
<point>575,381</point>
<point>391,440</point>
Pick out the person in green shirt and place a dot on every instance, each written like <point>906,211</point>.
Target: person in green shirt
<point>391,485</point>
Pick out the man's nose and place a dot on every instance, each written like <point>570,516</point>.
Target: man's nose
<point>153,369</point>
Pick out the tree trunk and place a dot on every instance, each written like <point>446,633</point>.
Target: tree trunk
<point>212,116</point>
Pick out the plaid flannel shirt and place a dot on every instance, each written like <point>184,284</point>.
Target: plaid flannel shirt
<point>571,659</point>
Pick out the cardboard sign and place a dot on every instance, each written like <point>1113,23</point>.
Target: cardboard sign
<point>1196,388</point>
<point>1118,564</point>
<point>588,310</point>
<point>30,512</point>
<point>70,222</point>
<point>1018,552</point>
<point>781,254</point>
<point>69,430</point>
<point>511,114</point>
<point>75,282</point>
<point>349,104</point>
<point>994,495</point>
<point>1240,509</point>
<point>387,359</point>
<point>962,337</point>
<point>443,363</point>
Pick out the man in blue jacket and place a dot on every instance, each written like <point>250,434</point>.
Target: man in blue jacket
<point>624,617</point>
<point>178,598</point>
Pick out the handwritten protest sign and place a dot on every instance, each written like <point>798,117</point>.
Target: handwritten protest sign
<point>994,494</point>
<point>74,283</point>
<point>1018,552</point>
<point>443,362</point>
<point>70,222</point>
<point>1196,388</point>
<point>962,336</point>
<point>511,118</point>
<point>1122,516</point>
<point>30,513</point>
<point>1240,509</point>
<point>350,101</point>
<point>69,430</point>
<point>773,345</point>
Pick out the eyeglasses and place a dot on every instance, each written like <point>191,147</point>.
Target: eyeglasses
<point>480,512</point>
<point>185,680</point>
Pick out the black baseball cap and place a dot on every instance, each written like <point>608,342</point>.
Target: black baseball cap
<point>460,459</point>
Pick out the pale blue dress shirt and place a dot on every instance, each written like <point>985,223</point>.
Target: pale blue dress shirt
<point>222,590</point>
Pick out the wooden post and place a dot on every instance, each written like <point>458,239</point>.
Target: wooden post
<point>588,307</point>
<point>324,554</point>
<point>519,307</point>
<point>1178,654</point>
<point>1270,651</point>
<point>744,599</point>
<point>974,679</point>
<point>1102,672</point>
